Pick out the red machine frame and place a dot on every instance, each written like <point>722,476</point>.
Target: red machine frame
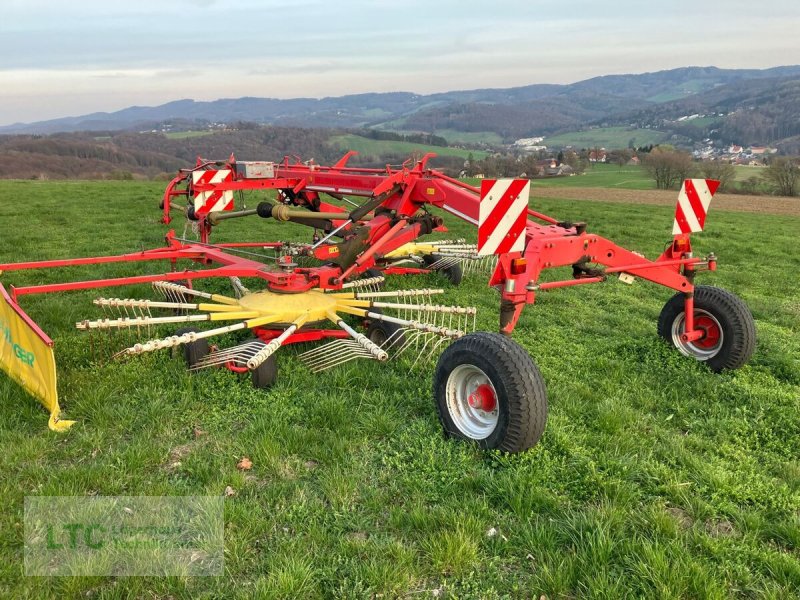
<point>397,199</point>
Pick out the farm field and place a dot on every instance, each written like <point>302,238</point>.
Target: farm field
<point>606,137</point>
<point>655,477</point>
<point>369,147</point>
<point>776,205</point>
<point>628,177</point>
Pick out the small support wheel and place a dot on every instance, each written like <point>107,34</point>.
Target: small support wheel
<point>193,352</point>
<point>266,374</point>
<point>380,332</point>
<point>454,273</point>
<point>489,390</point>
<point>375,273</point>
<point>729,329</point>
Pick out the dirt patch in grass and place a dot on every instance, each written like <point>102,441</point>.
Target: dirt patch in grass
<point>721,528</point>
<point>680,516</point>
<point>732,202</point>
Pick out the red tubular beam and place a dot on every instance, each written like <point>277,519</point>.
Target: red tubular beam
<point>369,252</point>
<point>457,182</point>
<point>161,254</point>
<point>250,245</point>
<point>654,264</point>
<point>567,283</point>
<point>99,283</point>
<point>542,217</point>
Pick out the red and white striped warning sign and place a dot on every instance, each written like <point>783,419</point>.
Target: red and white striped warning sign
<point>212,200</point>
<point>693,202</point>
<point>502,216</point>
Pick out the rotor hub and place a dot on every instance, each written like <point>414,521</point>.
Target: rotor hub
<point>313,303</point>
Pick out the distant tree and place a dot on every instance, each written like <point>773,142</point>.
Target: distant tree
<point>783,176</point>
<point>620,157</point>
<point>752,184</point>
<point>471,167</point>
<point>723,172</point>
<point>668,167</point>
<point>560,157</point>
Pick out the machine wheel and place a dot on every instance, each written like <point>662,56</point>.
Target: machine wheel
<point>489,390</point>
<point>375,273</point>
<point>266,374</point>
<point>454,272</point>
<point>193,352</point>
<point>380,331</point>
<point>730,330</point>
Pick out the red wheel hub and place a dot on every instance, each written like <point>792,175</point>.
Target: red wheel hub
<point>483,398</point>
<point>712,333</point>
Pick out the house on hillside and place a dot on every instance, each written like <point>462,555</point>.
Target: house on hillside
<point>597,156</point>
<point>635,161</point>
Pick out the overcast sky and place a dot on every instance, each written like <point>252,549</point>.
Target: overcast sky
<point>71,58</point>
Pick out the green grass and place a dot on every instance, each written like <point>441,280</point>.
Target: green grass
<point>600,175</point>
<point>470,137</point>
<point>182,135</point>
<point>655,478</point>
<point>377,148</point>
<point>606,137</point>
<point>701,122</point>
<point>687,88</point>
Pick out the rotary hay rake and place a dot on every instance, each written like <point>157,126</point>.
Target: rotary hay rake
<point>486,387</point>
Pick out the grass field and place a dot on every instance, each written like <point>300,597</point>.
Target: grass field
<point>606,137</point>
<point>470,137</point>
<point>182,135</point>
<point>369,147</point>
<point>628,177</point>
<point>654,479</point>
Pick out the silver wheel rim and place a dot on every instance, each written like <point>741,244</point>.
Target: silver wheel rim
<point>690,348</point>
<point>474,423</point>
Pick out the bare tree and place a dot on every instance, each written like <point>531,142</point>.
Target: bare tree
<point>783,176</point>
<point>620,157</point>
<point>723,172</point>
<point>669,167</point>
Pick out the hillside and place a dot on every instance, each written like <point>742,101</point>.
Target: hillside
<point>763,102</point>
<point>125,155</point>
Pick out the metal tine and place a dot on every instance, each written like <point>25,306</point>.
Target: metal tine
<point>236,350</point>
<point>444,263</point>
<point>429,337</point>
<point>395,338</point>
<point>239,289</point>
<point>353,354</point>
<point>398,294</point>
<point>323,348</point>
<point>237,354</point>
<point>333,354</point>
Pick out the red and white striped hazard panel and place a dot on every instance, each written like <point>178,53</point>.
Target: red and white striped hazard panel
<point>212,200</point>
<point>693,202</point>
<point>502,216</point>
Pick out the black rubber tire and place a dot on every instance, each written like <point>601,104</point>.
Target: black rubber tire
<point>375,273</point>
<point>520,388</point>
<point>193,352</point>
<point>453,273</point>
<point>735,319</point>
<point>266,374</point>
<point>380,331</point>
